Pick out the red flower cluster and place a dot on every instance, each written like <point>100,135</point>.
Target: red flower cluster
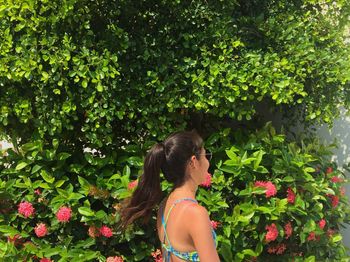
<point>46,260</point>
<point>40,230</point>
<point>64,214</point>
<point>97,232</point>
<point>272,232</point>
<point>277,249</point>
<point>132,184</point>
<point>312,236</point>
<point>115,259</point>
<point>106,231</point>
<point>288,229</point>
<point>26,209</point>
<point>334,199</point>
<point>269,186</point>
<point>290,196</point>
<point>336,179</point>
<point>214,224</point>
<point>329,170</point>
<point>157,255</point>
<point>207,182</point>
<point>322,223</point>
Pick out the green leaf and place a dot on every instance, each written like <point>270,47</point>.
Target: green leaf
<point>288,179</point>
<point>49,179</point>
<point>100,215</point>
<point>86,211</point>
<point>310,259</point>
<point>21,165</point>
<point>8,230</point>
<point>84,83</point>
<point>36,168</point>
<point>63,156</point>
<point>336,238</point>
<point>48,252</point>
<point>226,252</point>
<point>84,183</point>
<point>249,252</point>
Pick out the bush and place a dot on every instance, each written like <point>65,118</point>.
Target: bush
<point>279,201</point>
<point>262,183</point>
<point>99,72</point>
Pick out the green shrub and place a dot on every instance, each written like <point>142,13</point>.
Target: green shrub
<point>99,72</point>
<point>93,187</point>
<point>309,189</point>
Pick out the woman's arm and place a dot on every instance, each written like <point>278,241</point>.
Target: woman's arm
<point>198,224</point>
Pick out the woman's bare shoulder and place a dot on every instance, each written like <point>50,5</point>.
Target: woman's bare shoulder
<point>197,213</point>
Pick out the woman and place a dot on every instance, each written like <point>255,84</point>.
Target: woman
<point>183,225</point>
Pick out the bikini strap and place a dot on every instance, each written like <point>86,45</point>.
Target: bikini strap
<point>164,222</point>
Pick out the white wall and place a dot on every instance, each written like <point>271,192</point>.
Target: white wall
<point>340,131</point>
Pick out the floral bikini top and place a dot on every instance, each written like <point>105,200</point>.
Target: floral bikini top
<point>187,256</point>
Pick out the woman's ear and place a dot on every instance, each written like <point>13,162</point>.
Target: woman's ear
<point>193,161</point>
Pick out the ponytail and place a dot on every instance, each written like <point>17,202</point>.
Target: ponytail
<point>148,192</point>
<point>170,157</point>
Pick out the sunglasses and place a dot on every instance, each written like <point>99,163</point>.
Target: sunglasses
<point>208,155</point>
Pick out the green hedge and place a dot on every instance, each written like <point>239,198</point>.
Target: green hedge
<point>248,195</point>
<point>98,72</point>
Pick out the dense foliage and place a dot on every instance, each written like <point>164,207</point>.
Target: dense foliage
<point>86,86</point>
<point>267,197</point>
<point>95,72</point>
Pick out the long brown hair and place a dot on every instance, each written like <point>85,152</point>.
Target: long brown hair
<point>170,157</point>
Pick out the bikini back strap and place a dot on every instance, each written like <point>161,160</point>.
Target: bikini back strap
<point>164,222</point>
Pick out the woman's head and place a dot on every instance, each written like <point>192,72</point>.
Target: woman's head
<point>179,148</point>
<point>179,157</point>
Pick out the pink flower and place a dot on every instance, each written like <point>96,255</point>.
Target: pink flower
<point>40,230</point>
<point>312,236</point>
<point>157,255</point>
<point>132,184</point>
<point>335,200</point>
<point>269,186</point>
<point>207,182</point>
<point>94,232</point>
<point>64,214</point>
<point>106,231</point>
<point>272,233</point>
<point>288,229</point>
<point>37,191</point>
<point>329,170</point>
<point>115,259</point>
<point>214,224</point>
<point>336,179</point>
<point>290,195</point>
<point>46,260</point>
<point>26,209</point>
<point>322,223</point>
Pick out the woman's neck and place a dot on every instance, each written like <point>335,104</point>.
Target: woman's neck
<point>187,190</point>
